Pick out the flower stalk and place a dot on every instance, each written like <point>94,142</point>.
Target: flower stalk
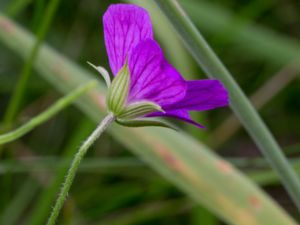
<point>75,164</point>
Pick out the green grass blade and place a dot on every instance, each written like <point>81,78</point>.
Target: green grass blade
<point>242,19</point>
<point>19,91</point>
<point>47,114</point>
<point>239,102</point>
<point>56,164</point>
<point>259,99</point>
<point>185,162</point>
<point>263,177</point>
<point>39,6</point>
<point>144,213</point>
<point>257,41</point>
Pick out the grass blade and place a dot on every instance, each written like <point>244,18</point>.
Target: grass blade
<point>257,41</point>
<point>47,114</point>
<point>19,91</point>
<point>239,102</point>
<point>185,162</point>
<point>259,99</point>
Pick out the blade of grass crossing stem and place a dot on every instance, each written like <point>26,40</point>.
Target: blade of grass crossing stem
<point>19,91</point>
<point>44,203</point>
<point>242,107</point>
<point>182,160</point>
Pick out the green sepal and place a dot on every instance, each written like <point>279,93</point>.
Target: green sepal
<point>145,123</point>
<point>118,91</point>
<point>139,109</point>
<point>103,72</point>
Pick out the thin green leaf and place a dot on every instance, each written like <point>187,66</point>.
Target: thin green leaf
<point>47,114</point>
<point>242,107</point>
<point>19,91</point>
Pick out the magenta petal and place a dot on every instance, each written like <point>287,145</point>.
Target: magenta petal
<point>177,114</point>
<point>125,26</point>
<point>202,95</point>
<point>152,77</point>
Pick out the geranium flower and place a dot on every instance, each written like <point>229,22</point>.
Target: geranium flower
<point>148,85</point>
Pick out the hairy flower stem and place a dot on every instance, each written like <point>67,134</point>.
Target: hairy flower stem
<point>75,164</point>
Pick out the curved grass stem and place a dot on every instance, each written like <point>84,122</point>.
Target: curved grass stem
<point>18,93</point>
<point>47,114</point>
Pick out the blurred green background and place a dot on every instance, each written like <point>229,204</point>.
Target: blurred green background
<point>258,40</point>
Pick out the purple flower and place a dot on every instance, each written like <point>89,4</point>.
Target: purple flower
<point>129,41</point>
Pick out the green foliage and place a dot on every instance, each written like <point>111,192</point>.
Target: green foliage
<point>46,115</point>
<point>112,187</point>
<point>242,107</point>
